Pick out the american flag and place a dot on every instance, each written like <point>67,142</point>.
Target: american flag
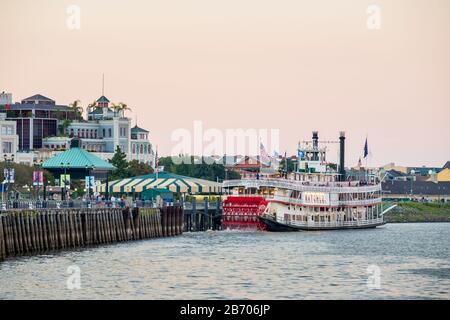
<point>263,154</point>
<point>156,160</point>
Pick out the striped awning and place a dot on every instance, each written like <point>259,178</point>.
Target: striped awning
<point>172,182</point>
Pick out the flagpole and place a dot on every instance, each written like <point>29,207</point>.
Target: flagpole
<point>156,163</point>
<point>366,156</point>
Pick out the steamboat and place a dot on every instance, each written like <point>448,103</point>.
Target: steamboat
<point>315,196</point>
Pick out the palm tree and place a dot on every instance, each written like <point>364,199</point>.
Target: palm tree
<point>76,107</point>
<point>91,107</point>
<point>124,107</point>
<point>63,127</point>
<point>116,108</point>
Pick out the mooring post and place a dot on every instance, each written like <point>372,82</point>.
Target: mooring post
<point>217,215</point>
<point>206,215</point>
<point>194,215</point>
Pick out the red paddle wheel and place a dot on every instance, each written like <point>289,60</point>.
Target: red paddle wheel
<point>243,212</point>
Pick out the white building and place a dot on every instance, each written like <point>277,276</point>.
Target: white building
<point>9,139</point>
<point>5,98</point>
<point>104,130</point>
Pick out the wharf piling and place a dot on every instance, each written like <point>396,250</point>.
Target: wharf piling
<point>28,232</point>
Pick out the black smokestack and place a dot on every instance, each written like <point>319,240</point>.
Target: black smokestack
<point>342,155</point>
<point>315,140</point>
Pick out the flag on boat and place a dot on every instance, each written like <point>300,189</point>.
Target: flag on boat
<point>264,156</point>
<point>366,149</point>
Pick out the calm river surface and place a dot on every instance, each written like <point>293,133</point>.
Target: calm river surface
<point>413,259</point>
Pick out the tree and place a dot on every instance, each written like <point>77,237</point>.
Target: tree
<point>200,170</point>
<point>123,107</point>
<point>76,107</point>
<point>136,168</point>
<point>119,160</point>
<point>333,166</point>
<point>290,165</point>
<point>91,107</point>
<point>116,108</point>
<point>64,125</point>
<point>24,174</point>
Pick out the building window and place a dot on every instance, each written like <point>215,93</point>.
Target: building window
<point>7,147</point>
<point>142,149</point>
<point>104,133</point>
<point>134,148</point>
<point>110,132</point>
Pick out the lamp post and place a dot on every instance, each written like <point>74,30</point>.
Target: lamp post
<point>38,182</point>
<point>64,189</point>
<point>107,187</point>
<point>8,171</point>
<point>88,180</point>
<point>413,172</point>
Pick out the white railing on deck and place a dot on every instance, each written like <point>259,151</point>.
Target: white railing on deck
<point>296,201</point>
<point>335,187</point>
<point>332,224</point>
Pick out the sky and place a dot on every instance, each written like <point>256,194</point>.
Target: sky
<point>292,65</point>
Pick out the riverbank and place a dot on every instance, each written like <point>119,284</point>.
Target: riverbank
<point>419,212</point>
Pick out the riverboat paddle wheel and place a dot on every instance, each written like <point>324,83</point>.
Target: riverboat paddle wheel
<point>243,212</point>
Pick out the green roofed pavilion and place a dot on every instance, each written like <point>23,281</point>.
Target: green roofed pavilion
<point>78,163</point>
<point>77,158</point>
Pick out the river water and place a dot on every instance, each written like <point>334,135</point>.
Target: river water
<point>397,261</point>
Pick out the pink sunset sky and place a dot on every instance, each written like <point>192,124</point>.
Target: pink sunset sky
<point>291,65</point>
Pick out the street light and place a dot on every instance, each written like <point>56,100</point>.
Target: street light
<point>8,172</point>
<point>39,166</point>
<point>88,180</point>
<point>64,190</point>
<point>413,172</point>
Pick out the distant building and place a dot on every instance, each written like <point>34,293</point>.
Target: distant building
<point>423,171</point>
<point>443,175</point>
<point>249,166</point>
<point>8,138</point>
<point>418,190</point>
<point>392,166</point>
<point>394,175</point>
<point>446,165</point>
<point>105,129</point>
<point>45,128</point>
<point>5,98</point>
<point>37,117</point>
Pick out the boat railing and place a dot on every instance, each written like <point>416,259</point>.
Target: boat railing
<point>301,185</point>
<point>328,224</point>
<point>297,201</point>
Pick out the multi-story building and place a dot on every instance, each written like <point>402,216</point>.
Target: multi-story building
<point>8,138</point>
<point>37,117</point>
<point>44,128</point>
<point>141,148</point>
<point>5,98</point>
<point>105,129</point>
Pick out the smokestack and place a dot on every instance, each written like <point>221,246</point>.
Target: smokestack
<point>342,155</point>
<point>315,139</point>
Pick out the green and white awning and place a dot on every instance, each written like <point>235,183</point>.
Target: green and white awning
<point>163,180</point>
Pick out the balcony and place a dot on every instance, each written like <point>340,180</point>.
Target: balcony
<point>332,187</point>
